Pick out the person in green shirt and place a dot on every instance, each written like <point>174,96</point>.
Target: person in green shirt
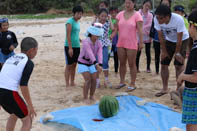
<point>179,9</point>
<point>113,12</point>
<point>72,45</point>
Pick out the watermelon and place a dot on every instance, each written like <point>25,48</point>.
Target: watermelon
<point>108,106</point>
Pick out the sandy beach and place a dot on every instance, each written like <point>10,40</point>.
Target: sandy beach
<point>47,84</point>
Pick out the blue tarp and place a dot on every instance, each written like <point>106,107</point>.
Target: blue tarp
<point>131,117</point>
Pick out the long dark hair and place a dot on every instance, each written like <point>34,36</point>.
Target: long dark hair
<point>170,2</point>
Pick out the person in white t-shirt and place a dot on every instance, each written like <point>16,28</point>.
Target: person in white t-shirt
<point>16,72</point>
<point>173,37</point>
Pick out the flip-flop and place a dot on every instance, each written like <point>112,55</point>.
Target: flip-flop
<point>160,94</point>
<point>120,86</point>
<point>130,89</point>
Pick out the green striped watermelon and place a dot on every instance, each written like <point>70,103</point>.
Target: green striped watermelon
<point>108,106</point>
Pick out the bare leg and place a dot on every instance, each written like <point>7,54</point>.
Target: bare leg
<point>11,122</point>
<point>165,77</point>
<point>87,78</point>
<point>26,124</point>
<point>72,72</point>
<point>93,85</point>
<point>191,127</point>
<point>67,74</point>
<point>122,56</point>
<point>132,65</point>
<point>179,70</point>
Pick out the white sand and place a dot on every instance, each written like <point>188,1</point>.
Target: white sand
<point>47,83</point>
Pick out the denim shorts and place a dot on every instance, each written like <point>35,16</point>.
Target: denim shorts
<point>84,68</point>
<point>3,57</point>
<point>105,58</point>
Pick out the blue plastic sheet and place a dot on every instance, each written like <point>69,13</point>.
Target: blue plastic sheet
<point>131,117</point>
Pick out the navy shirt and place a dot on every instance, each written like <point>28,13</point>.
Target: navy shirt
<point>192,65</point>
<point>7,39</point>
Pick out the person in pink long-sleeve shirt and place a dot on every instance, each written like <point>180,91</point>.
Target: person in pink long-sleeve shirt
<point>90,60</point>
<point>147,22</point>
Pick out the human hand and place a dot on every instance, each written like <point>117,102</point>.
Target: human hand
<point>11,48</point>
<point>70,52</point>
<point>98,68</point>
<point>179,58</point>
<point>180,80</point>
<point>32,112</point>
<point>140,46</point>
<point>164,54</point>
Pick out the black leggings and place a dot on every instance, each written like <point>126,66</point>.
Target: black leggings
<point>156,46</point>
<point>116,63</point>
<point>148,56</point>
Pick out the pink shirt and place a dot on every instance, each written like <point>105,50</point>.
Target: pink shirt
<point>128,30</point>
<point>90,52</point>
<point>147,22</point>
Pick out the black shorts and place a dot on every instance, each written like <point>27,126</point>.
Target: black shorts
<point>171,47</point>
<point>13,103</point>
<point>70,60</point>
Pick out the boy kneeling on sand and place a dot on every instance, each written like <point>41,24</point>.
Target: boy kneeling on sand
<point>17,71</point>
<point>189,115</point>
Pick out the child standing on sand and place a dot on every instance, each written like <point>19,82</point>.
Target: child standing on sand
<point>105,19</point>
<point>8,41</point>
<point>113,12</point>
<point>16,72</point>
<point>189,115</point>
<point>90,60</point>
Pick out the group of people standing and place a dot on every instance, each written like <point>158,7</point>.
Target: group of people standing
<point>127,32</point>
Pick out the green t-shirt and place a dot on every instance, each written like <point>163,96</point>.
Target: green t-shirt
<point>113,22</point>
<point>186,23</point>
<point>74,33</point>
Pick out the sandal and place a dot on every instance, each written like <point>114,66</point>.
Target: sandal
<point>120,86</point>
<point>160,94</point>
<point>130,89</point>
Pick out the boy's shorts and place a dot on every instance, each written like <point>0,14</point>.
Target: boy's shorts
<point>84,68</point>
<point>13,103</point>
<point>171,47</point>
<point>189,115</point>
<point>70,60</point>
<point>3,57</point>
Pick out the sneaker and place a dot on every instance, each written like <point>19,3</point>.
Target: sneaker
<point>98,85</point>
<point>108,84</point>
<point>148,70</point>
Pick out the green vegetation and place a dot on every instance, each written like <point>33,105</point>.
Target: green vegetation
<point>31,16</point>
<point>42,6</point>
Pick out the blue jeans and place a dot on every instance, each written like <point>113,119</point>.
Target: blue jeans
<point>105,58</point>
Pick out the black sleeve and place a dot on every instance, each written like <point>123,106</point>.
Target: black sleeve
<point>15,42</point>
<point>26,73</point>
<point>194,60</point>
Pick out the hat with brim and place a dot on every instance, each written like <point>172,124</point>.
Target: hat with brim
<point>3,20</point>
<point>93,30</point>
